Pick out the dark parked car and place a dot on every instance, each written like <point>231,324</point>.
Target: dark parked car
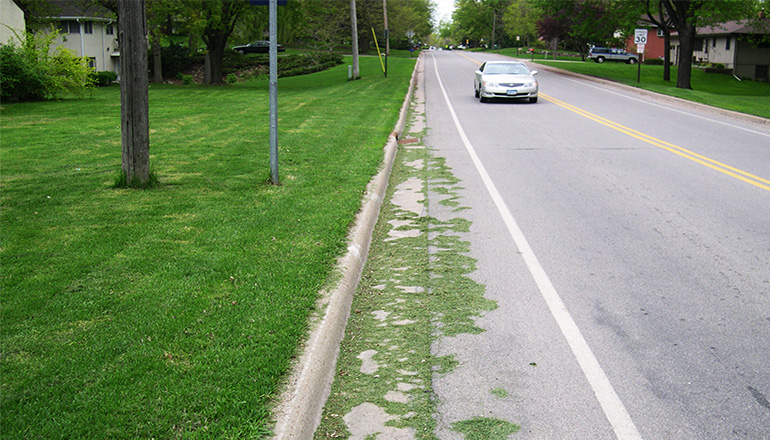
<point>257,47</point>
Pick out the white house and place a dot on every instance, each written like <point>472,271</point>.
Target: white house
<point>11,20</point>
<point>89,31</point>
<point>732,45</point>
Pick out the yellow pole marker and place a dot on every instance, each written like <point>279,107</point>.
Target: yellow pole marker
<point>379,55</point>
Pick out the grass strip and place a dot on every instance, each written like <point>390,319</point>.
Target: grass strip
<point>415,289</point>
<point>717,90</point>
<point>175,312</point>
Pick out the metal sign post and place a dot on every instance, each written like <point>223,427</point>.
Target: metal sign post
<point>274,92</point>
<point>273,28</point>
<point>640,38</point>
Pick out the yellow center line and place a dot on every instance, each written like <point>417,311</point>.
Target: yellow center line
<point>695,157</point>
<point>467,57</point>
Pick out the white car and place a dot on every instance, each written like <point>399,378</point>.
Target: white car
<point>505,79</point>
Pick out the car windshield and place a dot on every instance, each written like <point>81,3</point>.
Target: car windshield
<point>510,69</point>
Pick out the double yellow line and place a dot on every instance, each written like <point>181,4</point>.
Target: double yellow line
<point>687,154</point>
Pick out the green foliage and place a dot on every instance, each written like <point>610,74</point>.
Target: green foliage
<point>175,59</point>
<point>103,78</point>
<point>288,65</point>
<point>186,79</point>
<point>231,79</point>
<point>483,428</point>
<point>520,21</point>
<point>34,71</point>
<point>19,78</point>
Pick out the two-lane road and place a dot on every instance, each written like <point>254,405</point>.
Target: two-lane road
<point>626,239</point>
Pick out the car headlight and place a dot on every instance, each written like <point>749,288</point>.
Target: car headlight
<point>490,84</point>
<point>531,84</point>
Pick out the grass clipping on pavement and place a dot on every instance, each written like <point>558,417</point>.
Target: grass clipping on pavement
<point>175,312</point>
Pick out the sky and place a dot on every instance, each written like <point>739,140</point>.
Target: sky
<point>444,10</point>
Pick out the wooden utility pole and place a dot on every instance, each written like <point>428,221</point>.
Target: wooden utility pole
<point>387,31</point>
<point>134,85</point>
<point>354,38</point>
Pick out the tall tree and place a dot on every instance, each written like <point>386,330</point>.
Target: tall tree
<point>688,15</point>
<point>520,20</point>
<point>158,13</point>
<point>579,23</point>
<point>409,15</point>
<point>216,20</point>
<point>657,16</point>
<point>682,13</point>
<point>134,100</point>
<point>325,24</point>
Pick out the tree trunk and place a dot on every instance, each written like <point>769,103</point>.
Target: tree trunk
<point>134,100</point>
<point>686,46</point>
<point>683,16</point>
<point>215,56</point>
<point>354,38</point>
<point>157,65</point>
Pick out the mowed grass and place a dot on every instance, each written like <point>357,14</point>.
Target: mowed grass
<point>175,312</point>
<point>718,90</point>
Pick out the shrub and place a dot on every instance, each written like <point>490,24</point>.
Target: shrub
<point>34,71</point>
<point>187,79</point>
<point>654,61</point>
<point>175,59</point>
<point>288,65</point>
<point>19,78</point>
<point>104,78</point>
<point>231,79</point>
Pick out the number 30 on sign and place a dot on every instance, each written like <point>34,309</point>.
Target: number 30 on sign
<point>640,36</point>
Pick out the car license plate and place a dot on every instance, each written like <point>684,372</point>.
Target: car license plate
<point>513,92</point>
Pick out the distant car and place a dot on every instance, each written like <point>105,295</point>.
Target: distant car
<point>257,47</point>
<point>602,54</point>
<point>505,79</point>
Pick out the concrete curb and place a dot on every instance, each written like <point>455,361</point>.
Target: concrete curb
<point>298,412</point>
<point>729,113</point>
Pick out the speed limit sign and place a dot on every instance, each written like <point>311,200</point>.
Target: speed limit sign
<point>640,36</point>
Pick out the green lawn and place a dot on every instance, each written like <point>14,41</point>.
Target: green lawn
<point>718,90</point>
<point>175,312</point>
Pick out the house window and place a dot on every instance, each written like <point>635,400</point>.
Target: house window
<point>760,72</point>
<point>108,29</point>
<point>660,33</point>
<point>70,27</point>
<point>88,27</point>
<point>92,62</point>
<point>714,42</point>
<point>698,46</point>
<point>727,44</point>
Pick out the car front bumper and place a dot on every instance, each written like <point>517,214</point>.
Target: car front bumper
<point>508,92</point>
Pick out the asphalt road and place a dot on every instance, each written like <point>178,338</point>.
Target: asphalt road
<point>626,240</point>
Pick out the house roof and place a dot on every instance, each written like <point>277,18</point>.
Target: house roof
<point>736,27</point>
<point>81,9</point>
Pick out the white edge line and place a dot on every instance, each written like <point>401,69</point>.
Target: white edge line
<point>611,404</point>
